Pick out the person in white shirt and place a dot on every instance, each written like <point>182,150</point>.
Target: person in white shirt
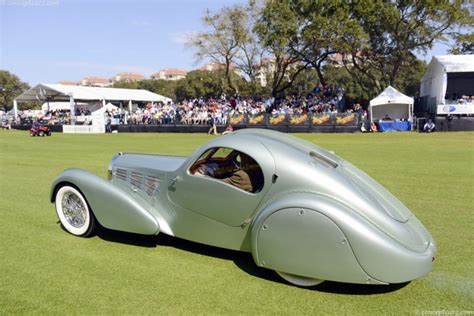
<point>429,126</point>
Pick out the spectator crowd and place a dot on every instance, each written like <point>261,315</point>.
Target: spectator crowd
<point>199,111</point>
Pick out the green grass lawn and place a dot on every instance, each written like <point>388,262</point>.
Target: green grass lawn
<point>45,270</point>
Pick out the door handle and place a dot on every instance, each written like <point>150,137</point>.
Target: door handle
<point>175,179</point>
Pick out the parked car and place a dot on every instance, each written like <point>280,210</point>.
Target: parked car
<point>298,208</point>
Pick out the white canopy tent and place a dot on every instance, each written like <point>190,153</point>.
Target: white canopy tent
<point>435,80</point>
<point>393,103</point>
<point>108,107</point>
<point>57,92</point>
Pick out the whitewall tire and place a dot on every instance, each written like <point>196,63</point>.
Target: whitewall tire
<point>73,212</point>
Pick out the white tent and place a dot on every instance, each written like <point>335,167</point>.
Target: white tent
<point>108,107</point>
<point>435,80</point>
<point>393,103</point>
<point>72,94</point>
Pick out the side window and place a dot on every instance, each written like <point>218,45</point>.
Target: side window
<point>222,152</point>
<point>230,166</point>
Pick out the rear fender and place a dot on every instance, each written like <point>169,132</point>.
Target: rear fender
<point>376,251</point>
<point>293,235</point>
<point>113,207</point>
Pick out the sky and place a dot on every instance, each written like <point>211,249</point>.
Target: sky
<point>45,41</point>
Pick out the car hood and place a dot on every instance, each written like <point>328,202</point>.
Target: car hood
<point>151,162</point>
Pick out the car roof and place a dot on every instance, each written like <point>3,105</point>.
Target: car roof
<point>268,136</point>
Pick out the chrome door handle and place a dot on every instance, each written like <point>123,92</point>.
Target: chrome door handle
<point>175,179</point>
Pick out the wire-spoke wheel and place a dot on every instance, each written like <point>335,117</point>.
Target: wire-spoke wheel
<point>299,280</point>
<point>73,212</point>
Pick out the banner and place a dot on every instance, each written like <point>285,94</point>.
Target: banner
<point>321,119</point>
<point>299,119</point>
<point>277,120</point>
<point>346,119</point>
<point>237,120</point>
<point>256,119</point>
<point>456,109</point>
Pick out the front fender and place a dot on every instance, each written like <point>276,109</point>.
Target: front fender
<point>113,207</point>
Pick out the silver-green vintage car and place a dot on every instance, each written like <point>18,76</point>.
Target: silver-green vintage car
<point>298,208</point>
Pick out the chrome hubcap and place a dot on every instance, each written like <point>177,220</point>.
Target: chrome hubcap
<point>74,210</point>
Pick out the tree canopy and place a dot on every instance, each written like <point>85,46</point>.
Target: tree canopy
<point>10,87</point>
<point>378,39</point>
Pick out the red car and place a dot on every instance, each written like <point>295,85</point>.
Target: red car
<point>39,130</point>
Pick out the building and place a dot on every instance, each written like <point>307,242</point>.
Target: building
<point>212,67</point>
<point>340,60</point>
<point>128,77</point>
<point>69,82</point>
<point>95,81</point>
<point>265,68</point>
<point>170,74</point>
<point>219,67</point>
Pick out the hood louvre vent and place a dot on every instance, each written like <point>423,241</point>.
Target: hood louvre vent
<point>121,174</point>
<point>136,179</point>
<point>152,185</point>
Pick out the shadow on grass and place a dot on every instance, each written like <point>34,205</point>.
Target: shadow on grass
<point>243,260</point>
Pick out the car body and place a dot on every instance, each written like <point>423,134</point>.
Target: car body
<point>312,216</point>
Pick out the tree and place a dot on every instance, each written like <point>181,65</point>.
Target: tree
<point>321,31</point>
<point>220,42</point>
<point>166,88</point>
<point>408,81</point>
<point>393,32</point>
<point>250,52</point>
<point>464,45</point>
<point>276,28</point>
<point>200,83</point>
<point>11,86</point>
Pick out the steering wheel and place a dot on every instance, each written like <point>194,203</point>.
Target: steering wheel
<point>236,162</point>
<point>207,169</point>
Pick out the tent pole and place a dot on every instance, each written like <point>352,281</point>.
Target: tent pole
<point>15,109</point>
<point>72,108</point>
<point>103,102</point>
<point>130,107</point>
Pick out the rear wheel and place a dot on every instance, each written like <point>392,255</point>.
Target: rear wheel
<point>41,133</point>
<point>32,133</point>
<point>74,213</point>
<point>299,280</point>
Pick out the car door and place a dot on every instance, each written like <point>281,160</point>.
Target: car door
<point>217,200</point>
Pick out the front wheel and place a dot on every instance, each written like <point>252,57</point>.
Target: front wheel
<point>299,280</point>
<point>41,133</point>
<point>74,213</point>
